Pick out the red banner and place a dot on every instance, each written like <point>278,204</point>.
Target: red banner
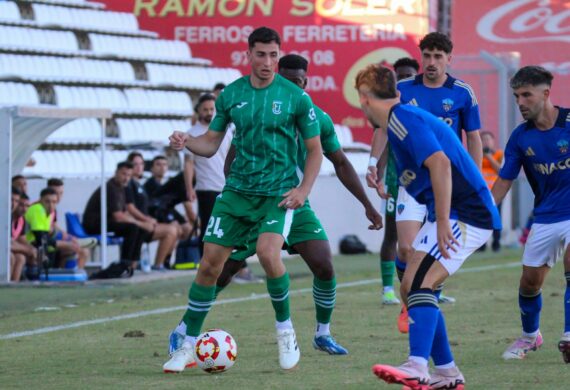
<point>338,37</point>
<point>539,30</point>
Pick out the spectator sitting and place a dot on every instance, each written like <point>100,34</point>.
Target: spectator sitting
<point>19,243</point>
<point>119,220</point>
<point>67,246</point>
<point>20,183</point>
<point>19,252</point>
<point>38,219</point>
<point>164,197</point>
<point>137,205</point>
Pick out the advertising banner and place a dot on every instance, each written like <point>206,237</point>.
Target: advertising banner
<point>538,30</point>
<point>338,37</point>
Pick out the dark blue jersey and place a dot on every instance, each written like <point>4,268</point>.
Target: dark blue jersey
<point>415,135</point>
<point>545,158</point>
<point>454,102</point>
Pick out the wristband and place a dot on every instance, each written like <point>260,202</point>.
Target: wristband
<point>372,162</point>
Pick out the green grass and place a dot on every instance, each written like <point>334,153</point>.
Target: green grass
<point>480,326</point>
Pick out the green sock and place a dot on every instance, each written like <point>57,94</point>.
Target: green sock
<point>278,289</point>
<point>388,268</point>
<point>324,295</point>
<point>218,290</point>
<point>200,299</point>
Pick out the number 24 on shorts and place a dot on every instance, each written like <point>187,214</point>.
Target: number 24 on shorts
<point>214,222</point>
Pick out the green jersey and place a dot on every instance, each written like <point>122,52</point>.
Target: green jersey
<point>329,140</point>
<point>267,122</point>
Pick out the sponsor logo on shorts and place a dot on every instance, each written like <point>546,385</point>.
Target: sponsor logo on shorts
<point>272,222</point>
<point>401,208</point>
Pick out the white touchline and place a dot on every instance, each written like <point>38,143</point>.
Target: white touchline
<point>254,297</point>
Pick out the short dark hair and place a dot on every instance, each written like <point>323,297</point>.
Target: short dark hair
<point>219,86</point>
<point>263,35</point>
<point>436,41</point>
<point>132,155</point>
<point>125,164</point>
<point>47,191</point>
<point>156,158</point>
<point>204,98</point>
<point>17,177</point>
<point>407,61</point>
<point>531,75</point>
<point>380,79</point>
<point>16,191</point>
<point>54,182</point>
<point>293,61</point>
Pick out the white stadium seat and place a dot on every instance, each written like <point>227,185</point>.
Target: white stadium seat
<point>139,47</point>
<point>17,93</point>
<point>84,18</point>
<point>194,77</point>
<point>37,39</point>
<point>149,130</point>
<point>9,11</point>
<point>78,131</point>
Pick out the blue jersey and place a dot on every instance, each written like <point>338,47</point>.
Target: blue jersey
<point>545,158</point>
<point>414,135</point>
<point>454,102</point>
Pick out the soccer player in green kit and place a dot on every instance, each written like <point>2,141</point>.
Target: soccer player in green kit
<point>307,236</point>
<point>261,192</point>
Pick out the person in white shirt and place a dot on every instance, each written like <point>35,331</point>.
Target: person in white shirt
<point>210,179</point>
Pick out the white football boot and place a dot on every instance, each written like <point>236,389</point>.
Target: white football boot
<point>289,352</point>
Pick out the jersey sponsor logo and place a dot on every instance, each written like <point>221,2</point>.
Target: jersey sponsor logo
<point>242,104</point>
<point>549,168</point>
<point>317,231</point>
<point>529,152</point>
<point>272,222</point>
<point>276,107</point>
<point>424,240</point>
<point>447,104</point>
<point>562,146</point>
<point>407,177</point>
<point>449,121</point>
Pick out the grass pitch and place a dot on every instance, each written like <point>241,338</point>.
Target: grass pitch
<point>480,326</point>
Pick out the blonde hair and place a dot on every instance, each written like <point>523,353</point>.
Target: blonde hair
<point>379,79</point>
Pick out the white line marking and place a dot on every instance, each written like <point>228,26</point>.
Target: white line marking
<point>253,297</point>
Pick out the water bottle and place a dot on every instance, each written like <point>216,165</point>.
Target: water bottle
<point>145,259</point>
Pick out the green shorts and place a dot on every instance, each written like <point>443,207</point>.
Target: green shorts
<point>391,184</point>
<point>305,227</point>
<point>235,215</point>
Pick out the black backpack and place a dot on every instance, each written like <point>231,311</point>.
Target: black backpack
<point>351,245</point>
<point>114,271</point>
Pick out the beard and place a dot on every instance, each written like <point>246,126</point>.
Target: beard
<point>206,119</point>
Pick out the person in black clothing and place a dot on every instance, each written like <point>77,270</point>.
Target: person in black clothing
<point>164,198</point>
<point>138,204</point>
<point>119,220</point>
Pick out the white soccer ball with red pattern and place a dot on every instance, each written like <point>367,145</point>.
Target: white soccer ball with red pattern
<point>216,351</point>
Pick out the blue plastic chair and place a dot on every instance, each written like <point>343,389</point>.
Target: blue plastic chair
<point>75,228</point>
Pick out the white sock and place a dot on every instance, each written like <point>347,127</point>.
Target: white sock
<point>448,365</point>
<point>530,335</point>
<point>388,289</point>
<point>181,328</point>
<point>322,329</point>
<point>191,339</point>
<point>419,360</point>
<point>287,324</point>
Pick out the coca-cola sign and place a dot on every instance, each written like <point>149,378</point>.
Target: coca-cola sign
<point>526,21</point>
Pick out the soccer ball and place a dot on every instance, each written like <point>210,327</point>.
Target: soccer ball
<point>216,351</point>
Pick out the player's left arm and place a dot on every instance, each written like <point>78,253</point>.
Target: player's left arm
<point>349,178</point>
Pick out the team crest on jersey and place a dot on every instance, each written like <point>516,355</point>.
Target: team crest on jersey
<point>401,207</point>
<point>447,104</point>
<point>277,107</point>
<point>562,146</point>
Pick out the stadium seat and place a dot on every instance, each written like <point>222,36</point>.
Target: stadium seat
<point>9,11</point>
<point>37,39</point>
<point>139,47</point>
<point>18,93</point>
<point>75,228</point>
